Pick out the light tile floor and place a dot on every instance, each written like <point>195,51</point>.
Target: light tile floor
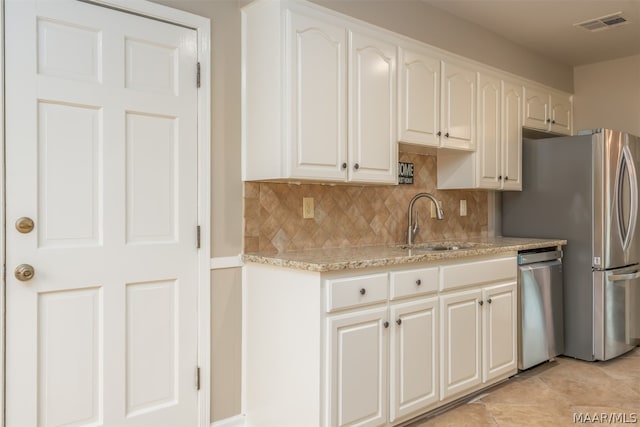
<point>550,395</point>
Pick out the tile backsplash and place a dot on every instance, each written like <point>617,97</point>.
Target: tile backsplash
<point>348,215</point>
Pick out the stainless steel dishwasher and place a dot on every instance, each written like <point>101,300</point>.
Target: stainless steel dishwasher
<point>540,320</point>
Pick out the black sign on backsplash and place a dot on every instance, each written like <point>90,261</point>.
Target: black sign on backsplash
<point>405,173</point>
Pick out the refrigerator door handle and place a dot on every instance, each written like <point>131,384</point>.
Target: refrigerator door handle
<point>627,166</point>
<point>627,276</point>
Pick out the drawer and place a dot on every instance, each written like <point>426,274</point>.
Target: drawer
<point>354,291</point>
<point>478,272</point>
<point>415,282</point>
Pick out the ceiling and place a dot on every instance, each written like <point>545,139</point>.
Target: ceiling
<point>546,26</point>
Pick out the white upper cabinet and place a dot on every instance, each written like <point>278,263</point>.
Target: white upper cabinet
<point>547,110</point>
<point>458,118</point>
<point>318,96</point>
<point>327,98</point>
<point>511,136</point>
<point>373,150</point>
<point>419,97</point>
<point>489,157</point>
<point>496,164</point>
<point>317,74</point>
<point>561,108</point>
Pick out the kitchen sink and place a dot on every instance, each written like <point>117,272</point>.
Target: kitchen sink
<point>436,247</point>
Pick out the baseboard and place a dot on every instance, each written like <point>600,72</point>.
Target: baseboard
<point>235,421</point>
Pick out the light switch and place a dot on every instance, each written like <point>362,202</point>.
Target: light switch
<point>463,208</point>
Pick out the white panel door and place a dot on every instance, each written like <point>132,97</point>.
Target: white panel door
<point>413,377</point>
<point>373,148</point>
<point>357,368</point>
<point>318,76</point>
<point>102,156</point>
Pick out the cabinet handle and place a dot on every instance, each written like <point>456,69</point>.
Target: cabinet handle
<point>553,122</point>
<point>399,322</point>
<point>344,166</point>
<point>489,300</point>
<point>446,134</point>
<point>548,120</point>
<point>499,177</point>
<point>356,166</point>
<point>363,291</point>
<point>439,133</point>
<point>506,178</point>
<point>481,302</point>
<point>418,282</point>
<point>386,324</point>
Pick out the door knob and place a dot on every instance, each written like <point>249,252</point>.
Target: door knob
<point>24,272</point>
<point>24,225</point>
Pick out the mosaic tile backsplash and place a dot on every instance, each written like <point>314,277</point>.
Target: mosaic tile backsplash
<point>348,215</point>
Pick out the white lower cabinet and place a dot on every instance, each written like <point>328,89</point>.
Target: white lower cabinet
<point>461,342</point>
<point>499,331</point>
<point>374,347</point>
<point>357,352</point>
<point>413,373</point>
<point>478,337</point>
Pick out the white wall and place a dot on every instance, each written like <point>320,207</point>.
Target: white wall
<point>607,95</point>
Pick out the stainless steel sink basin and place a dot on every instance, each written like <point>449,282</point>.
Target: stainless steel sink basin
<point>436,247</point>
<point>441,247</point>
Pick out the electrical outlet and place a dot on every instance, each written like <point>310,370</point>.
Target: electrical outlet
<point>463,208</point>
<point>307,208</point>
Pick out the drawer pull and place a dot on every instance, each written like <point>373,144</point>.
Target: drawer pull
<point>386,324</point>
<point>481,302</point>
<point>489,300</point>
<point>399,321</point>
<point>363,291</point>
<point>418,282</point>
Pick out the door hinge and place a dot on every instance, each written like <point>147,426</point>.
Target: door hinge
<point>198,237</point>
<point>198,75</point>
<point>198,378</point>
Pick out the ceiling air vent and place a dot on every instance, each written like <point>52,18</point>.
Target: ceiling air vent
<point>602,23</point>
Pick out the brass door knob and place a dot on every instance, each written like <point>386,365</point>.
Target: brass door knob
<point>24,225</point>
<point>24,272</point>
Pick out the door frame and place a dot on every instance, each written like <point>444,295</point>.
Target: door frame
<point>202,26</point>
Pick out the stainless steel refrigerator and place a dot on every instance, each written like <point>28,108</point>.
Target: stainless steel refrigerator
<point>585,189</point>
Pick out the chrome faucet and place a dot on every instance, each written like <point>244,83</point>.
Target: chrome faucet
<point>413,227</point>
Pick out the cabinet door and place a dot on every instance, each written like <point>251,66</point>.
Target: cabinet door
<point>373,148</point>
<point>489,167</point>
<point>418,98</point>
<point>536,108</point>
<point>561,114</point>
<point>414,356</point>
<point>499,331</point>
<point>460,320</point>
<point>317,77</point>
<point>511,136</point>
<point>357,365</point>
<point>458,107</point>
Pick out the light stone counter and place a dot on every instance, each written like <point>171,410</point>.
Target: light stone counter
<point>336,259</point>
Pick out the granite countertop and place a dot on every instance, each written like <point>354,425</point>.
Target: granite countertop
<point>336,259</point>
